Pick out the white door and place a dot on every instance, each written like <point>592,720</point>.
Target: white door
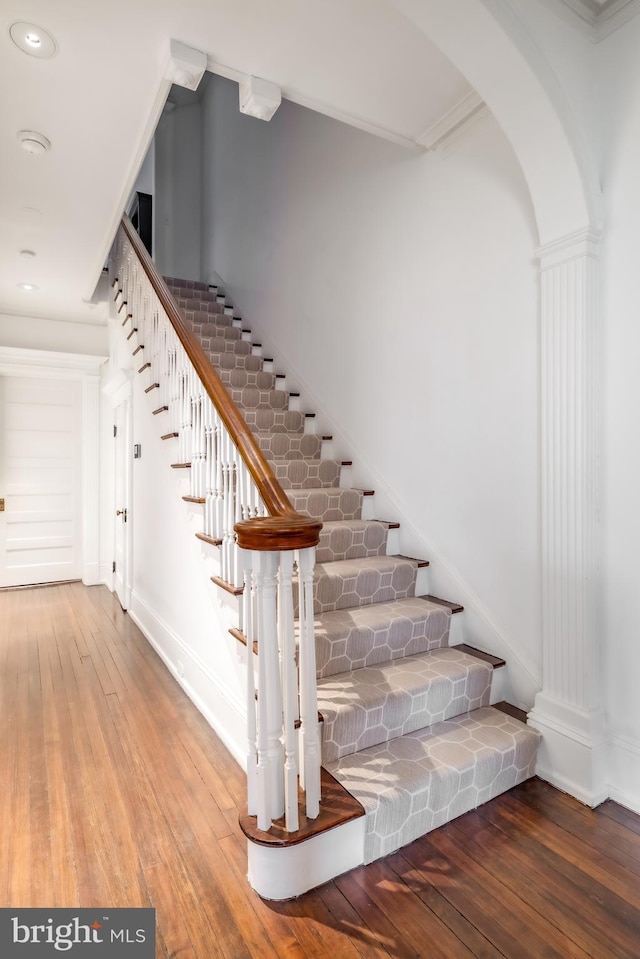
<point>122,490</point>
<point>40,475</point>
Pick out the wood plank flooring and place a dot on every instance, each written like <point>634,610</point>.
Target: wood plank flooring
<point>115,792</point>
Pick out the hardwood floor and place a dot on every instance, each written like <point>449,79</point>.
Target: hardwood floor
<point>115,792</point>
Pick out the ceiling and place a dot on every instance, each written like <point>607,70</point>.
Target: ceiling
<point>97,100</point>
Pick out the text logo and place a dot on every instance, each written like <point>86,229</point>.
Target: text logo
<point>79,933</point>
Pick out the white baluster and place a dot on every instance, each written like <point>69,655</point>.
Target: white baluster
<point>309,734</point>
<point>269,775</point>
<point>247,626</point>
<point>289,674</point>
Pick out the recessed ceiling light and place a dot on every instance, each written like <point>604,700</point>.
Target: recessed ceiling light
<point>28,287</point>
<point>32,39</point>
<point>34,143</point>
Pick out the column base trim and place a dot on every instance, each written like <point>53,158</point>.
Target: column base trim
<point>573,753</point>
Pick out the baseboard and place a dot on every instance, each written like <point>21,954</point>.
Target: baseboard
<point>573,752</point>
<point>196,679</point>
<point>91,574</point>
<point>106,576</point>
<point>624,772</point>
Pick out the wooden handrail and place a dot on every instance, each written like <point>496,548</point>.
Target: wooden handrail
<point>284,528</point>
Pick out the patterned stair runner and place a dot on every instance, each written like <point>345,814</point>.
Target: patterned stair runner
<point>407,728</point>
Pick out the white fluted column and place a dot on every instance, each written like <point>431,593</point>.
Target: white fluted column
<point>568,710</point>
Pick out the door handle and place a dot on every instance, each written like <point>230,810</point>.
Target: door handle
<point>123,513</point>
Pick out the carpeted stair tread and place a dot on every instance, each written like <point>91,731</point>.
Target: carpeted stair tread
<point>200,311</point>
<point>275,421</point>
<point>239,379</point>
<point>220,344</point>
<point>328,504</point>
<point>373,579</point>
<point>180,284</point>
<point>364,707</point>
<point>253,398</point>
<point>306,473</point>
<point>210,331</point>
<point>353,638</point>
<point>351,539</point>
<point>223,359</point>
<point>417,782</point>
<point>289,445</point>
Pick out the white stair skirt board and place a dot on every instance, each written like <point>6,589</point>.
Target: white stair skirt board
<point>284,872</point>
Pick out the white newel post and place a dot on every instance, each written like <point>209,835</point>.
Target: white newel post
<point>568,710</point>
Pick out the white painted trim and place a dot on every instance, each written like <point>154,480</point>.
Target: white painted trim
<point>277,872</point>
<point>90,480</point>
<point>15,361</point>
<point>624,772</point>
<point>574,750</point>
<point>203,688</point>
<point>146,137</point>
<point>451,124</point>
<point>598,20</point>
<point>568,710</point>
<point>611,19</point>
<point>222,70</point>
<point>21,362</point>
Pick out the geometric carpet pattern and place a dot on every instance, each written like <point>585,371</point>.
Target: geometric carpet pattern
<point>414,784</point>
<point>407,727</point>
<point>377,703</point>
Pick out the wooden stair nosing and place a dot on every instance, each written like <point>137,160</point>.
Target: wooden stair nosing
<point>169,436</point>
<point>337,808</point>
<point>240,636</point>
<point>421,563</point>
<point>495,661</point>
<point>227,587</point>
<point>454,607</point>
<point>161,409</point>
<point>514,711</point>
<point>145,366</point>
<point>211,540</point>
<point>154,386</point>
<point>194,499</point>
<point>181,466</point>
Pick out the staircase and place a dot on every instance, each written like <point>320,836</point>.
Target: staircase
<point>408,729</point>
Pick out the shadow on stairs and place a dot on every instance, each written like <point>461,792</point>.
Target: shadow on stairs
<point>410,739</point>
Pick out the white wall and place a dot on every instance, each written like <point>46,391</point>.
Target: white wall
<point>178,184</point>
<point>399,291</point>
<point>185,616</point>
<point>33,333</point>
<point>620,113</point>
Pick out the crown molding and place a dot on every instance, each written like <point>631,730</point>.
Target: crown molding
<point>438,135</point>
<point>599,17</point>
<point>223,70</point>
<point>450,125</point>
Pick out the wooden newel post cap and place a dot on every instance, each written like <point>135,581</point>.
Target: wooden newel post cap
<point>267,533</point>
